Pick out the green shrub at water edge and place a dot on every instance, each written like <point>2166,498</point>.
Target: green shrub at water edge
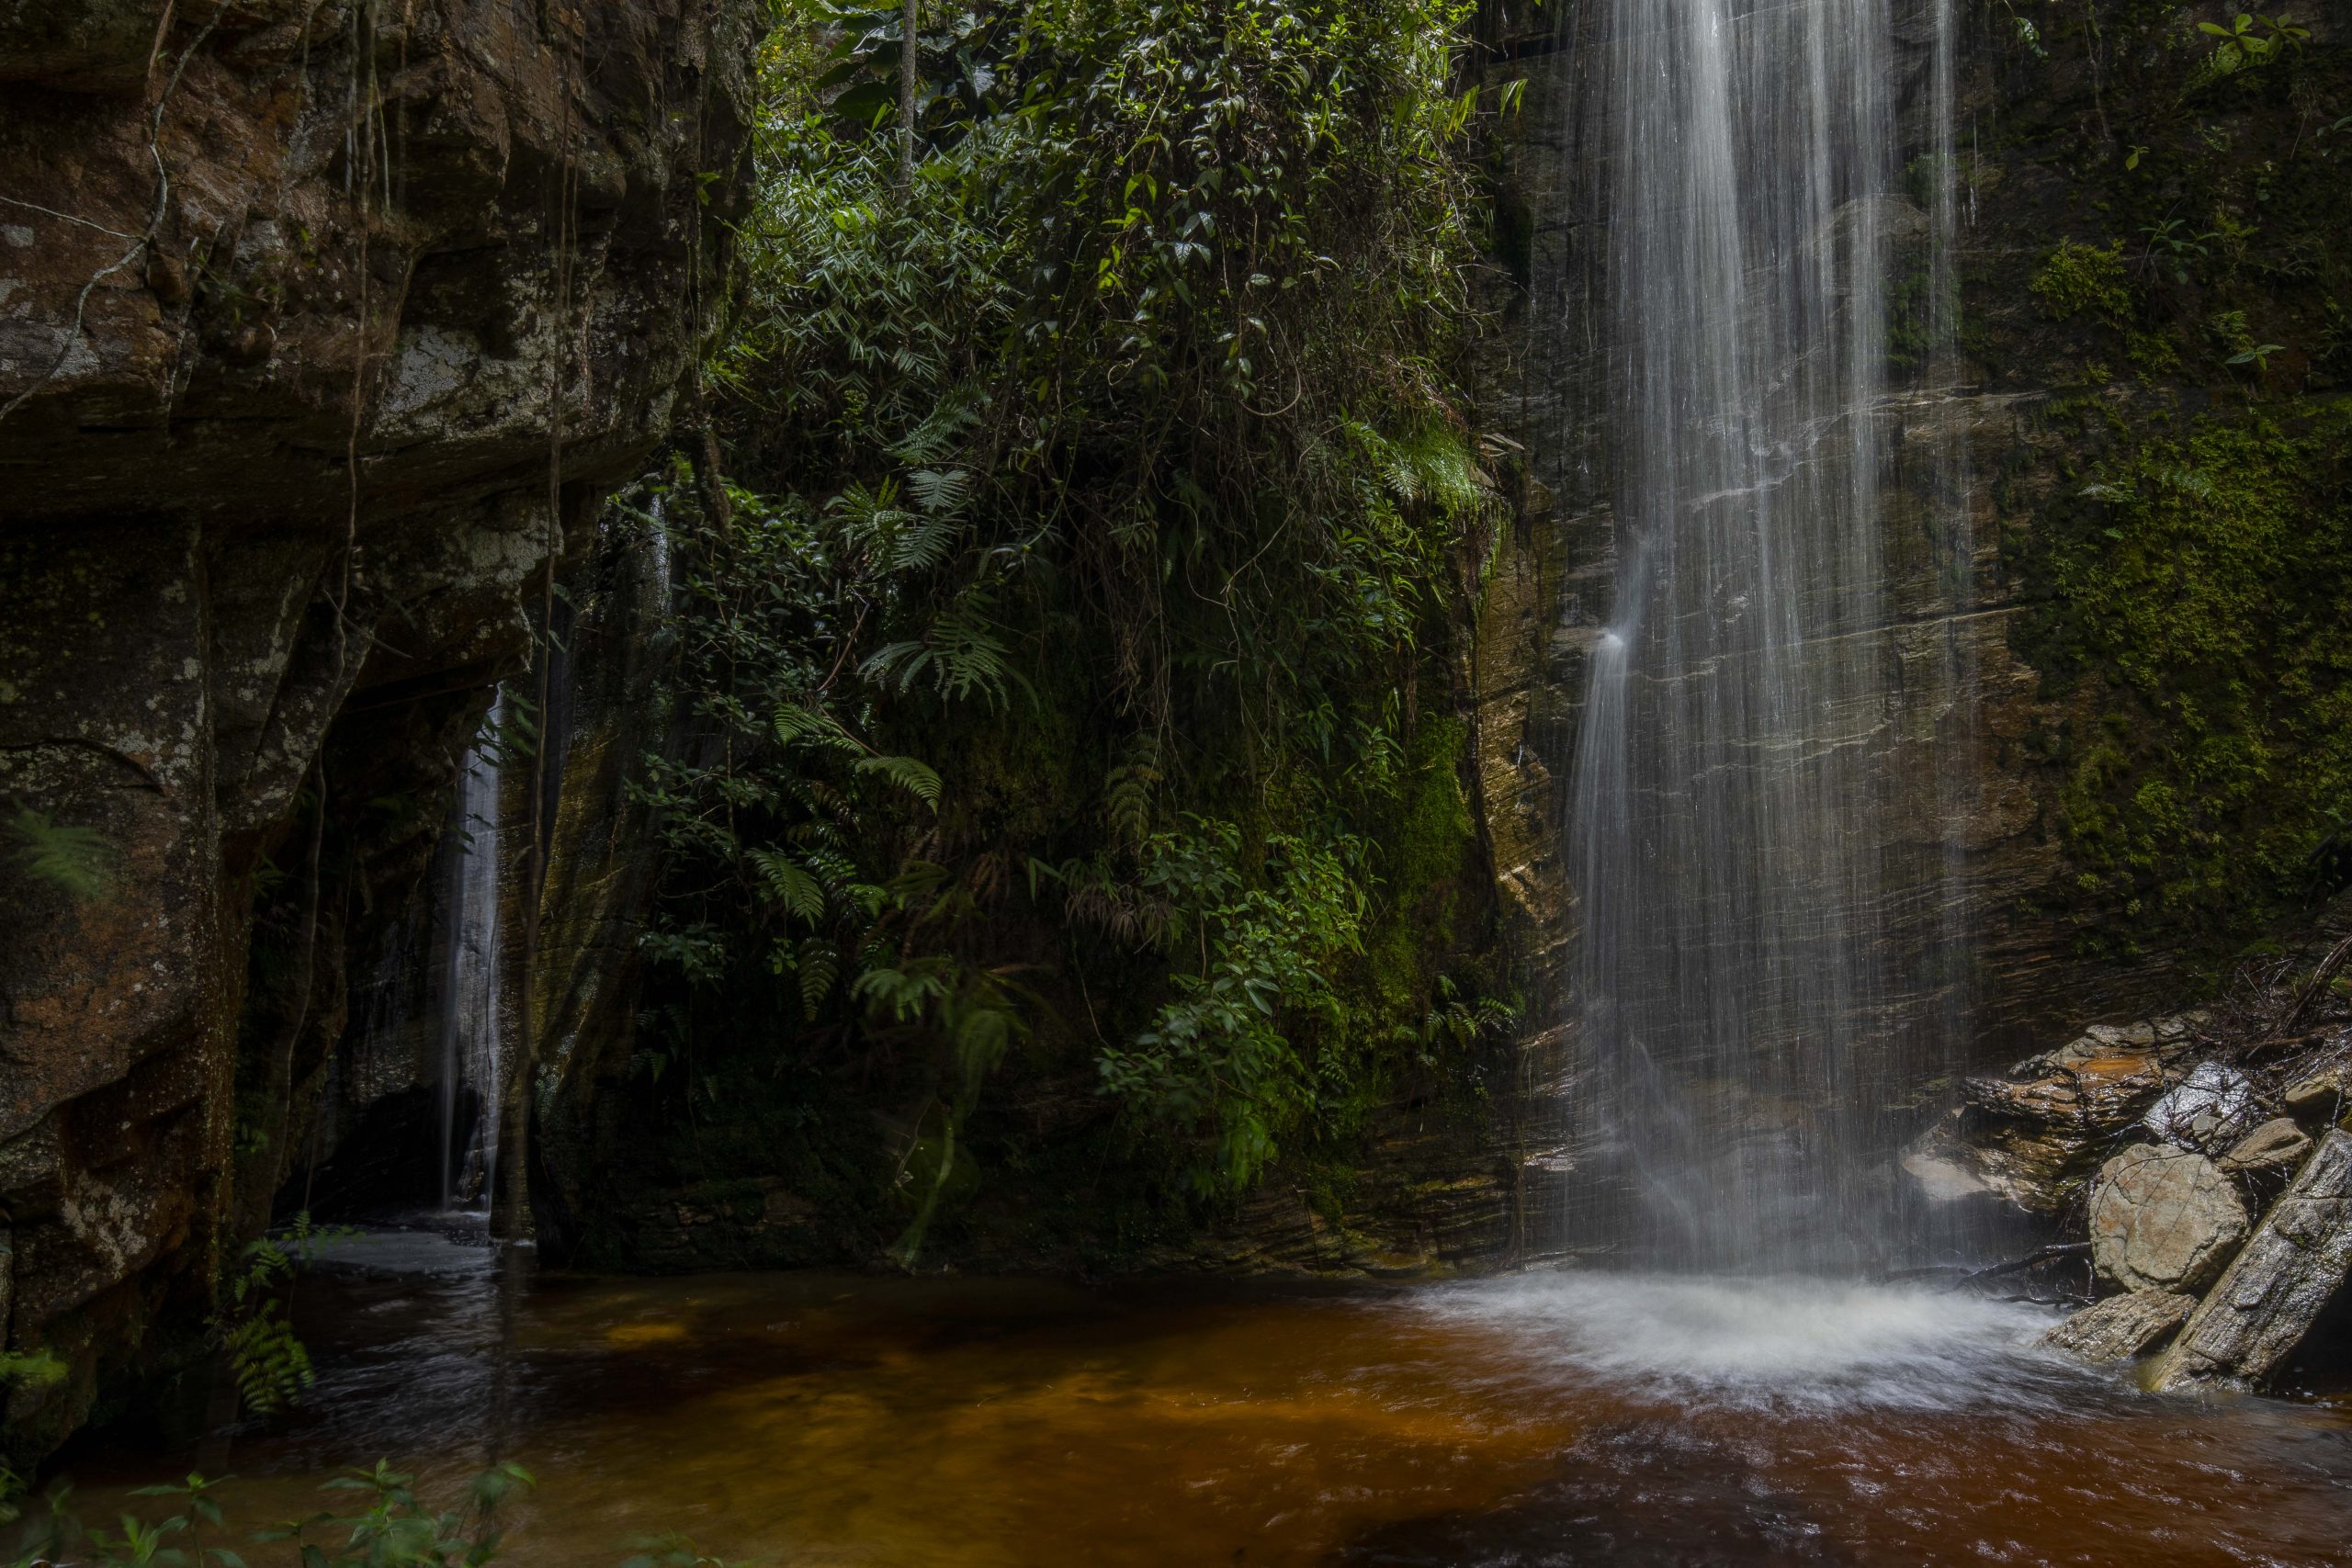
<point>383,1525</point>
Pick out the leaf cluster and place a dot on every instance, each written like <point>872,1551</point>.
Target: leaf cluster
<point>1097,488</point>
<point>383,1525</point>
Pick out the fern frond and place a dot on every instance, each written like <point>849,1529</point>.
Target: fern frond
<point>923,545</point>
<point>942,429</point>
<point>916,778</point>
<point>906,993</point>
<point>788,884</point>
<point>78,861</point>
<point>1127,793</point>
<point>958,656</point>
<point>271,1365</point>
<point>820,967</point>
<point>940,491</point>
<point>792,724</point>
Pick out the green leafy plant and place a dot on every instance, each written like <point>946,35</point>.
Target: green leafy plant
<point>251,1326</point>
<point>383,1523</point>
<point>1226,1057</point>
<point>1104,473</point>
<point>30,1368</point>
<point>2178,245</point>
<point>78,861</point>
<point>144,1545</point>
<point>673,1551</point>
<point>2256,355</point>
<point>2250,41</point>
<point>392,1529</point>
<point>2026,31</point>
<point>2198,583</point>
<point>2076,279</point>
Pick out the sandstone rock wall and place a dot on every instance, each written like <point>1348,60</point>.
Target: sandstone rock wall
<point>322,324</point>
<point>1976,901</point>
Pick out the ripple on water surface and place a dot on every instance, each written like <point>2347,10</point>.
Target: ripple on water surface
<point>1544,1420</point>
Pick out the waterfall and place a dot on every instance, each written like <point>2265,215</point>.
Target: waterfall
<point>1731,794</point>
<point>472,1048</point>
<point>657,540</point>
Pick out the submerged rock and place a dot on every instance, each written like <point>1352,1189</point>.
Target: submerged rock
<point>2286,1274</point>
<point>2277,1144</point>
<point>2164,1219</point>
<point>2123,1327</point>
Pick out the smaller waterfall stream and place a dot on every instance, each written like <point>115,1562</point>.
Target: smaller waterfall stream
<point>472,1052</point>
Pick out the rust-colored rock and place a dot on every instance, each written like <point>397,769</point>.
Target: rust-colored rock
<point>2031,1138</point>
<point>299,304</point>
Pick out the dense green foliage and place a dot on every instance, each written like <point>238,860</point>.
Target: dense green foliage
<point>2189,560</point>
<point>1097,501</point>
<point>2205,577</point>
<point>386,1525</point>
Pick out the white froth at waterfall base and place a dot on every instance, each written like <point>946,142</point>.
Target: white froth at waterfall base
<point>1799,1344</point>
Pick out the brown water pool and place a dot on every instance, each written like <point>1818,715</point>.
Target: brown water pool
<point>1555,1418</point>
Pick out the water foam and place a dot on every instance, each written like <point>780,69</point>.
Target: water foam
<point>1797,1343</point>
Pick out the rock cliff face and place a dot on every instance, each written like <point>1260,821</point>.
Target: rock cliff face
<point>323,325</point>
<point>1982,890</point>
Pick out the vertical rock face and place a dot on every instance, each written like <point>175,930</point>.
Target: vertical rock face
<point>319,325</point>
<point>601,866</point>
<point>1977,900</point>
<point>1950,838</point>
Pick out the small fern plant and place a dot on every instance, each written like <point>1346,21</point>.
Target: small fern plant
<point>254,1328</point>
<point>78,861</point>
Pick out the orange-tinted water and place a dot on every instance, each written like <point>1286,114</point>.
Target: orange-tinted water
<point>1543,1419</point>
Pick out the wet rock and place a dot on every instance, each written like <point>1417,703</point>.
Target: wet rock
<point>2123,1327</point>
<point>2277,1144</point>
<point>2207,1112</point>
<point>2028,1139</point>
<point>2317,1097</point>
<point>1943,1167</point>
<point>2294,1265</point>
<point>2164,1219</point>
<point>287,475</point>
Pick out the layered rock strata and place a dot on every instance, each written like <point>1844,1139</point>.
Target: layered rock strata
<point>2029,1138</point>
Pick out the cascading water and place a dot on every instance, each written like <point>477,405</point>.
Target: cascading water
<point>471,1044</point>
<point>1733,777</point>
<point>657,541</point>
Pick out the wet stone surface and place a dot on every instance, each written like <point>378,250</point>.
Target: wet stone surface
<point>2123,1327</point>
<point>2164,1219</point>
